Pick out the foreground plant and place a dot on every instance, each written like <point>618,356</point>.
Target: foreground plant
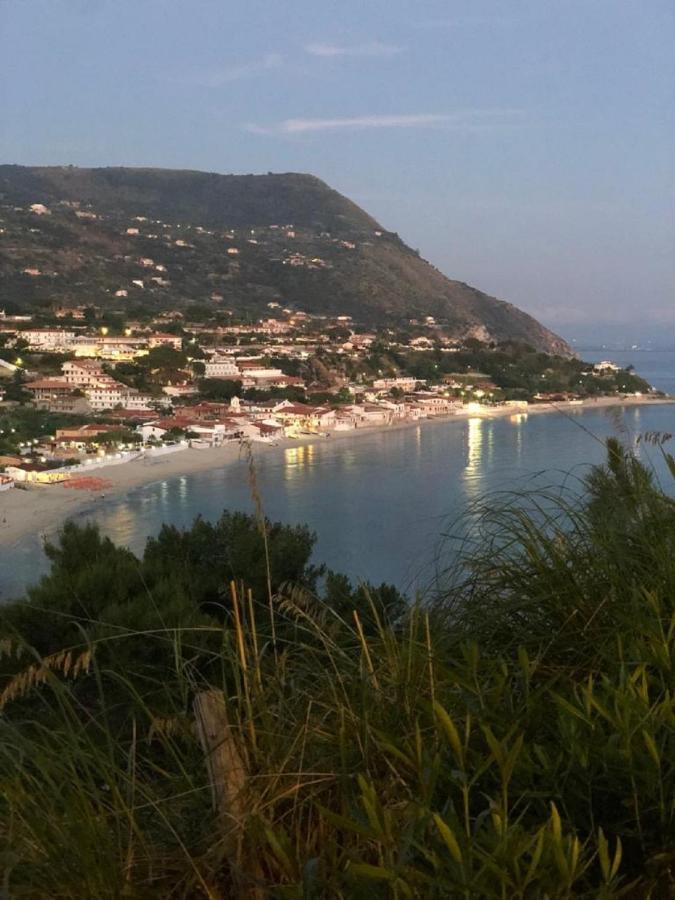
<point>514,740</point>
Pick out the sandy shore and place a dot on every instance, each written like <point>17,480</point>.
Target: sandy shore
<point>42,508</point>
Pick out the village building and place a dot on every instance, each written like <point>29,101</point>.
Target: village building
<point>49,339</point>
<point>221,368</point>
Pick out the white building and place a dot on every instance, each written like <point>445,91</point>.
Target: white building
<point>51,339</point>
<point>116,394</point>
<point>403,383</point>
<point>162,339</point>
<point>85,373</point>
<point>221,368</point>
<point>605,367</point>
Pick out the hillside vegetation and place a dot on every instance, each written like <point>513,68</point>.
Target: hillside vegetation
<point>169,732</point>
<point>298,242</point>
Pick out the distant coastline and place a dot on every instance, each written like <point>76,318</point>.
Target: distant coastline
<point>43,508</point>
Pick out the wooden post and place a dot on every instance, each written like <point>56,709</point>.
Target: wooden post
<point>228,780</point>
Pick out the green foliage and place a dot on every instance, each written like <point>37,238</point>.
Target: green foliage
<point>206,558</point>
<point>219,389</point>
<point>22,424</point>
<point>117,436</point>
<point>514,738</point>
<point>518,370</point>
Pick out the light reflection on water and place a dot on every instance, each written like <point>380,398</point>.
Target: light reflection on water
<point>474,455</point>
<point>378,501</point>
<point>297,459</point>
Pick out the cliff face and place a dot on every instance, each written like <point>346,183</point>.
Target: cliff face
<point>296,241</point>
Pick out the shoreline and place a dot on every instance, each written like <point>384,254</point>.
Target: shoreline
<point>42,509</point>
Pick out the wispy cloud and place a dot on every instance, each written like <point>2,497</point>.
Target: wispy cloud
<point>463,120</point>
<point>374,48</point>
<point>495,21</point>
<point>221,75</point>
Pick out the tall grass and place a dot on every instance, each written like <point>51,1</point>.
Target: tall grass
<point>513,739</point>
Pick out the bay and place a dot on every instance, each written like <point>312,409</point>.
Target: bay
<point>379,502</point>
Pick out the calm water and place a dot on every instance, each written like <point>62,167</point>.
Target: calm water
<point>378,502</point>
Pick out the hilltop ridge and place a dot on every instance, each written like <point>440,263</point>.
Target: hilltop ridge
<point>233,241</point>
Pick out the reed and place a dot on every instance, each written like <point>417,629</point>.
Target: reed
<point>513,739</point>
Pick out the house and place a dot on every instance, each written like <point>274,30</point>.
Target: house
<point>221,368</point>
<point>51,339</point>
<point>298,416</point>
<point>213,433</point>
<point>375,414</point>
<point>114,348</point>
<point>79,437</point>
<point>433,404</point>
<point>256,376</point>
<point>85,373</point>
<point>208,410</point>
<point>180,390</point>
<point>162,339</point>
<point>36,473</point>
<point>56,395</point>
<point>115,394</point>
<point>345,420</point>
<point>403,383</point>
<point>72,312</point>
<point>49,388</point>
<point>606,367</point>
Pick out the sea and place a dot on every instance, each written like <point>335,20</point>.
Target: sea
<point>385,505</point>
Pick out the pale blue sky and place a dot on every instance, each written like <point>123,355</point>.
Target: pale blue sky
<point>526,146</point>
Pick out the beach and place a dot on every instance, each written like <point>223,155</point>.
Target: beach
<point>41,509</point>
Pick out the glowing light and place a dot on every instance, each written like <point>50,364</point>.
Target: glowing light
<point>127,332</point>
<point>104,331</point>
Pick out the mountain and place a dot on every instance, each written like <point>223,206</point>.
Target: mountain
<point>236,242</point>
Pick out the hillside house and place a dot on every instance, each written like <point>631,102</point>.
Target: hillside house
<point>162,339</point>
<point>78,438</point>
<point>85,373</point>
<point>50,339</point>
<point>221,368</point>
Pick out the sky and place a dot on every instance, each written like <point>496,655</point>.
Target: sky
<point>526,147</point>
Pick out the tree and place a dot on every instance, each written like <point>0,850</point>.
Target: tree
<point>219,388</point>
<point>205,558</point>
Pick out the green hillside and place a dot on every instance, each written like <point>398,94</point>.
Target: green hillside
<point>295,241</point>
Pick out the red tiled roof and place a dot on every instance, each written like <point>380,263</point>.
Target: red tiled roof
<point>49,383</point>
